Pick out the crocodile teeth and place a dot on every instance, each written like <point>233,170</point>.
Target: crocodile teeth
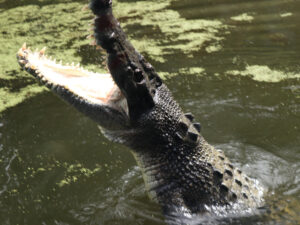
<point>24,46</point>
<point>42,52</point>
<point>20,53</point>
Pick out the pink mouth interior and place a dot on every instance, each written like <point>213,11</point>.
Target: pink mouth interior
<point>94,87</point>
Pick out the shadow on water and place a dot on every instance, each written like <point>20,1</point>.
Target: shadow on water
<point>234,64</point>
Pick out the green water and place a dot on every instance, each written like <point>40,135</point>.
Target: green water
<point>235,64</point>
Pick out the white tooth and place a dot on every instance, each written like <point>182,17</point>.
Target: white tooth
<point>42,52</point>
<point>67,64</point>
<point>73,64</point>
<point>24,46</point>
<point>22,61</point>
<point>60,62</point>
<point>21,54</point>
<point>50,57</point>
<point>54,60</point>
<point>78,65</point>
<point>27,65</point>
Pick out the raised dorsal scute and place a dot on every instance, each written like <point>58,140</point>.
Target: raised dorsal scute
<point>192,137</point>
<point>183,126</point>
<point>197,127</point>
<point>190,116</point>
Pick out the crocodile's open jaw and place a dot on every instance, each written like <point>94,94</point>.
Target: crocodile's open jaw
<point>92,87</point>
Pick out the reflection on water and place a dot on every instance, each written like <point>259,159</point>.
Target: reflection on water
<point>234,64</point>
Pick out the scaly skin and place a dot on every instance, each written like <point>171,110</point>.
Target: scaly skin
<point>182,172</point>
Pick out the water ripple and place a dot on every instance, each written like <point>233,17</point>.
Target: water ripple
<point>7,172</point>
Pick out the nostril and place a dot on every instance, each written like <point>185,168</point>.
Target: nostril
<point>138,75</point>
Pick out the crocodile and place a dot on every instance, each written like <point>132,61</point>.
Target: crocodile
<point>183,173</point>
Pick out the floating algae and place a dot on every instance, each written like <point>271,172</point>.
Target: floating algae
<point>179,34</point>
<point>264,74</point>
<point>283,15</point>
<point>243,17</point>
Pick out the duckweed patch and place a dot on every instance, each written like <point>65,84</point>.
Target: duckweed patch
<point>179,34</point>
<point>243,17</point>
<point>264,74</point>
<point>198,71</point>
<point>76,171</point>
<point>286,14</point>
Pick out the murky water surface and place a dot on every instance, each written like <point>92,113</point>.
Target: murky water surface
<point>234,64</point>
